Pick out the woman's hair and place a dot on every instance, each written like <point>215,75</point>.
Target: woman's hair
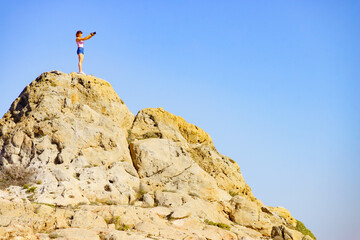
<point>77,33</point>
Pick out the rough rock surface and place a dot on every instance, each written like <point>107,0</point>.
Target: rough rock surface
<point>157,123</point>
<point>77,164</point>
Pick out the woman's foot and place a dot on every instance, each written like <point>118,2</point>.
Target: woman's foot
<point>81,73</point>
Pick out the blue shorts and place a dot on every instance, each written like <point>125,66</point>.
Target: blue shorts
<point>80,50</point>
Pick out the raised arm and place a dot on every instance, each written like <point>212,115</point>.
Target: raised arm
<point>85,38</point>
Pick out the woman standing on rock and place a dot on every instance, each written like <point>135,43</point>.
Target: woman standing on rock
<point>80,50</point>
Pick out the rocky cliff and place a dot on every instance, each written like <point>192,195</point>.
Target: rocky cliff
<point>77,164</point>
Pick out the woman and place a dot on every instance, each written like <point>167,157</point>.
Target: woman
<point>80,50</point>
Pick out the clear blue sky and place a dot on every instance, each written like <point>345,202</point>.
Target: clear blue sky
<point>275,83</point>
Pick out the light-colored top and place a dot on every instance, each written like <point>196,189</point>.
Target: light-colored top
<point>80,43</point>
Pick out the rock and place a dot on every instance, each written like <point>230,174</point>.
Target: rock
<point>307,237</point>
<point>168,199</point>
<point>61,120</point>
<point>148,200</point>
<point>75,234</point>
<point>161,211</point>
<point>120,235</point>
<point>155,122</point>
<point>17,231</point>
<point>285,214</point>
<point>203,209</point>
<point>88,220</point>
<point>198,229</point>
<point>147,227</point>
<point>61,219</point>
<point>245,232</point>
<point>10,210</point>
<point>158,123</point>
<point>161,160</point>
<point>245,211</point>
<point>112,226</point>
<point>284,233</point>
<point>76,163</point>
<point>190,238</point>
<point>245,238</point>
<point>180,212</point>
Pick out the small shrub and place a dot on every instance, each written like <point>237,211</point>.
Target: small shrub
<point>233,194</point>
<point>81,203</point>
<point>53,235</point>
<point>108,221</point>
<point>118,225</point>
<point>232,161</point>
<point>15,176</point>
<point>151,135</point>
<point>111,202</point>
<point>31,189</point>
<point>116,220</point>
<point>301,228</point>
<point>123,227</point>
<point>31,198</point>
<point>142,191</point>
<point>220,225</point>
<point>46,204</point>
<point>129,138</point>
<point>170,191</point>
<point>102,236</point>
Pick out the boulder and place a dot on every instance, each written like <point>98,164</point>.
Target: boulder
<point>158,123</point>
<point>285,214</point>
<point>180,212</point>
<point>165,165</point>
<point>88,220</point>
<point>245,211</point>
<point>284,233</point>
<point>62,123</point>
<point>75,234</point>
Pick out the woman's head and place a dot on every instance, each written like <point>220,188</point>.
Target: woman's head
<point>78,33</point>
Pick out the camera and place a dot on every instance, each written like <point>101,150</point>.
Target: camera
<point>93,33</point>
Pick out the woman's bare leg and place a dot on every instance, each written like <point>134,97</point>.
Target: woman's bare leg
<point>81,59</point>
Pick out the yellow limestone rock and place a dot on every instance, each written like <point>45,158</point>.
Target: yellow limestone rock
<point>284,213</point>
<point>72,129</point>
<point>98,172</point>
<point>158,123</point>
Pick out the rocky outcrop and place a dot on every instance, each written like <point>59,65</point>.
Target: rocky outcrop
<point>86,168</point>
<point>157,123</point>
<point>73,131</point>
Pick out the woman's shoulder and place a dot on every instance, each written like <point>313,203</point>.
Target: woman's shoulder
<point>78,39</point>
